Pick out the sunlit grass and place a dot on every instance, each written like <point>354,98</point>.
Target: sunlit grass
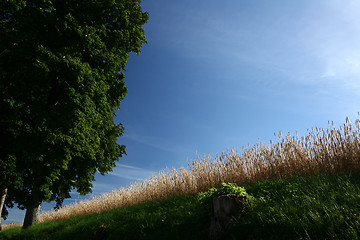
<point>320,151</point>
<point>313,207</point>
<point>323,206</point>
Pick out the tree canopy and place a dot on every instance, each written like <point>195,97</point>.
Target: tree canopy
<point>62,76</point>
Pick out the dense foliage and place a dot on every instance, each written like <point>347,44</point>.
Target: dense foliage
<point>61,81</point>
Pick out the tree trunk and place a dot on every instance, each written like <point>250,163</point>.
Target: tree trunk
<point>2,202</point>
<point>32,212</point>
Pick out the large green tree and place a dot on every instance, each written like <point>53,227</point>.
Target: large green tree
<point>61,81</point>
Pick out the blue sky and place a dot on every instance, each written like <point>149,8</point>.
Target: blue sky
<point>217,75</point>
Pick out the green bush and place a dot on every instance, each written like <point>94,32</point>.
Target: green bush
<point>227,188</point>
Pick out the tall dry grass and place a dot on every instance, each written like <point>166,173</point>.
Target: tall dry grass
<point>321,151</point>
<point>11,225</point>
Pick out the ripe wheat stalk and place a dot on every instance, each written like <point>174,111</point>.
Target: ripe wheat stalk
<point>321,151</point>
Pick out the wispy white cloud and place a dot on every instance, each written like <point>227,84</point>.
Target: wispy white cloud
<point>102,187</point>
<point>156,142</point>
<point>343,66</point>
<point>331,35</point>
<point>308,42</point>
<point>121,175</point>
<point>131,172</point>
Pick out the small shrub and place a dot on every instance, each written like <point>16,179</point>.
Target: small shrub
<point>227,188</point>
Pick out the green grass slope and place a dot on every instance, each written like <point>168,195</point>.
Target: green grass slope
<point>313,207</point>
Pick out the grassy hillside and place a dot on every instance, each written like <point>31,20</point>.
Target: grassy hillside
<point>326,151</point>
<point>313,207</point>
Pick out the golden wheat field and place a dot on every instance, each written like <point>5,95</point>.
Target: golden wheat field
<point>328,150</point>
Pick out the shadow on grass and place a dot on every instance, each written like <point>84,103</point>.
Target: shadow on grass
<point>175,218</point>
